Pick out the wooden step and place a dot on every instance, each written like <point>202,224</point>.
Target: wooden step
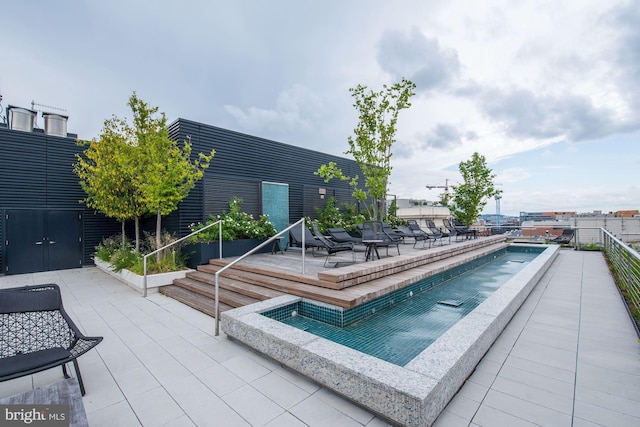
<point>329,296</point>
<point>215,264</point>
<point>226,296</point>
<point>239,286</point>
<point>193,299</point>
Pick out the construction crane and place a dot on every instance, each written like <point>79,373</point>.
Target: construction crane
<point>445,186</point>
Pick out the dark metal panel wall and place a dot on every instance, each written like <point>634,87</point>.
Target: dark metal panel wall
<point>36,172</point>
<point>22,169</point>
<point>242,158</point>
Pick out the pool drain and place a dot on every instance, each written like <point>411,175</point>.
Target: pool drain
<point>451,303</point>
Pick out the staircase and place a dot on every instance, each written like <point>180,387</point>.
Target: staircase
<point>239,286</point>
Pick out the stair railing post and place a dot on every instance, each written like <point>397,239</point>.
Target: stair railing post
<point>216,305</point>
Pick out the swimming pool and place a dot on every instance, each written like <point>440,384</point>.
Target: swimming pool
<point>399,326</point>
<point>413,394</point>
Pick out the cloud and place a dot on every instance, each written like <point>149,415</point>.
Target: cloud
<point>524,114</point>
<point>418,58</point>
<point>445,136</point>
<point>297,108</point>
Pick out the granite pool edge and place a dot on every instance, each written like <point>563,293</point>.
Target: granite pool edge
<point>413,395</point>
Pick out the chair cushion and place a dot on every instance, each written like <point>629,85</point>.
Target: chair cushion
<point>27,361</point>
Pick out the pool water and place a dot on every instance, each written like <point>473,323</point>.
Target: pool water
<point>401,330</point>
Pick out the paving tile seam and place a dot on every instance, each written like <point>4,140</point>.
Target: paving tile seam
<point>544,282</point>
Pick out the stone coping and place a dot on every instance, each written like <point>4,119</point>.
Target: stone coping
<point>413,395</point>
<point>135,281</point>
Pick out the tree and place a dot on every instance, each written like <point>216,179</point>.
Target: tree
<point>470,197</point>
<point>134,170</point>
<point>371,146</point>
<point>166,173</point>
<point>107,171</point>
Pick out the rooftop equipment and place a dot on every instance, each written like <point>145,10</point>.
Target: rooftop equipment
<point>55,124</point>
<point>21,118</point>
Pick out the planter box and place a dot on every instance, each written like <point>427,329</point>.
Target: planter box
<point>154,281</point>
<point>201,253</point>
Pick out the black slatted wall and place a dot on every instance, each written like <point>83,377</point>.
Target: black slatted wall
<point>243,161</point>
<point>36,172</point>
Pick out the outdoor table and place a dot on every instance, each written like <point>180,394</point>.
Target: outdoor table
<point>372,246</point>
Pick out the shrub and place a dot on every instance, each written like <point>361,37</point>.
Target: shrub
<point>125,256</point>
<point>236,225</point>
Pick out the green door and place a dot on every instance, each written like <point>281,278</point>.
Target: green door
<point>275,203</point>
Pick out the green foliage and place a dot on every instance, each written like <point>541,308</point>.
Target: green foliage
<point>470,197</point>
<point>330,216</point>
<point>109,246</point>
<point>135,169</point>
<point>392,215</point>
<point>125,256</point>
<point>236,225</point>
<point>371,146</point>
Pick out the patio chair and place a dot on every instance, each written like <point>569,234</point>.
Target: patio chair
<point>461,229</point>
<point>566,237</point>
<point>331,246</point>
<point>340,235</point>
<point>404,231</point>
<point>419,234</point>
<point>436,232</point>
<point>37,334</point>
<point>309,239</point>
<point>393,233</point>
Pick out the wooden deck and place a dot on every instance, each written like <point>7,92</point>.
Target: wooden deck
<point>265,276</point>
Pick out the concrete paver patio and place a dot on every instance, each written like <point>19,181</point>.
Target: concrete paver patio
<point>569,357</point>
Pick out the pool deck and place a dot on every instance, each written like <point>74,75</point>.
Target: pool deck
<point>569,357</point>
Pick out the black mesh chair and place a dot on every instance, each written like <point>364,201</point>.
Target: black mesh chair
<point>331,246</point>
<point>36,333</point>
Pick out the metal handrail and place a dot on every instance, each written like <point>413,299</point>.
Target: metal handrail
<point>626,264</point>
<point>237,260</point>
<point>144,259</point>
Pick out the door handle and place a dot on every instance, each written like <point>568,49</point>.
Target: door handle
<point>39,243</point>
<point>51,242</point>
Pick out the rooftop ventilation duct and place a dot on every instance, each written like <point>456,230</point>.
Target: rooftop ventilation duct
<point>55,124</point>
<point>21,118</point>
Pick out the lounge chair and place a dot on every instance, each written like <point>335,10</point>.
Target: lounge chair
<point>404,231</point>
<point>436,232</point>
<point>309,239</point>
<point>451,229</point>
<point>374,236</point>
<point>565,237</point>
<point>419,234</point>
<point>462,229</point>
<point>331,246</point>
<point>393,233</point>
<point>340,235</point>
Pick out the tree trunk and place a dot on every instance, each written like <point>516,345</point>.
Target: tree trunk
<point>137,222</point>
<point>158,230</point>
<point>124,236</point>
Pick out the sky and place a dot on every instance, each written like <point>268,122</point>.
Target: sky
<point>548,91</point>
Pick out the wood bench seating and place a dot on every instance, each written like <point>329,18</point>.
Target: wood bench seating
<point>37,334</point>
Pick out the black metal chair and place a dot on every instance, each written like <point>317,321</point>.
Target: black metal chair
<point>310,240</point>
<point>436,232</point>
<point>565,238</point>
<point>331,246</point>
<point>374,236</point>
<point>341,235</point>
<point>37,334</point>
<point>419,234</point>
